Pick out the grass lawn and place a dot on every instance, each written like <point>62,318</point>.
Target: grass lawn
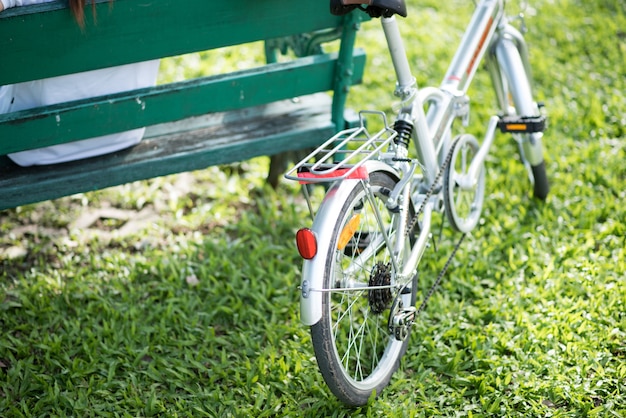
<point>178,296</point>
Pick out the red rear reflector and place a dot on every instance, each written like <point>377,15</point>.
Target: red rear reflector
<point>307,243</point>
<point>360,174</point>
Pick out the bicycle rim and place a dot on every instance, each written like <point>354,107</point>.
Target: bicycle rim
<point>355,351</point>
<point>463,207</point>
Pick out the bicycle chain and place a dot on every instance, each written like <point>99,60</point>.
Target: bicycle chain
<point>432,289</point>
<point>412,224</point>
<point>430,192</point>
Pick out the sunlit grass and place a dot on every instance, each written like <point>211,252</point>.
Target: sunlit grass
<point>194,310</point>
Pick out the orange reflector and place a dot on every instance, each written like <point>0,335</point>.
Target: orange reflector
<point>516,126</point>
<point>306,243</point>
<point>348,231</point>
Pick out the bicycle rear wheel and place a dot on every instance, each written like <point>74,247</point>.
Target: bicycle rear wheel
<point>355,350</point>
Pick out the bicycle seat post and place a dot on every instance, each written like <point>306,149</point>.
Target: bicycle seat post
<point>406,88</point>
<point>406,82</point>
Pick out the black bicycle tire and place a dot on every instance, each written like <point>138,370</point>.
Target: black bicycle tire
<point>541,188</point>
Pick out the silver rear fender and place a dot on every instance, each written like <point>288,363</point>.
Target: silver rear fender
<point>313,270</point>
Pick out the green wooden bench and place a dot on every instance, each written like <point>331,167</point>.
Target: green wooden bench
<point>277,107</point>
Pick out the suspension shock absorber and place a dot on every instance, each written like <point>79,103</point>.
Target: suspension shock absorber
<point>404,128</point>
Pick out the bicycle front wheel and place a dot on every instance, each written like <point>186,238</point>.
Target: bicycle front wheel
<point>355,350</point>
<point>520,93</point>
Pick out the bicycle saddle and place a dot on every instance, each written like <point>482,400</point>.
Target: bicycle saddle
<point>375,8</point>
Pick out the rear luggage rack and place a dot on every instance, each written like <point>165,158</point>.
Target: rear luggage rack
<point>342,156</point>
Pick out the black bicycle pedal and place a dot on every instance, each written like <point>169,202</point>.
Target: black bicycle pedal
<point>522,124</point>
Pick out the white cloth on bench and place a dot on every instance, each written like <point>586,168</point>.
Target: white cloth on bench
<point>79,86</point>
<point>11,3</point>
<point>60,89</point>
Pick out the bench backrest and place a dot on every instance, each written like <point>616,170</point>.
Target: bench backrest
<point>42,41</point>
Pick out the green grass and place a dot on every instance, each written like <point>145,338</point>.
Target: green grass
<point>193,311</point>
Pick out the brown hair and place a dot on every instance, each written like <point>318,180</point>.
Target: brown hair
<point>78,10</point>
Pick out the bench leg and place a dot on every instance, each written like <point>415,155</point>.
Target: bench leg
<point>279,164</point>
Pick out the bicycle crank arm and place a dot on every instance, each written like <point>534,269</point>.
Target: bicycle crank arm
<point>468,181</point>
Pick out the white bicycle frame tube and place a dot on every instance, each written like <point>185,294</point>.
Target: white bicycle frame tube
<point>474,44</point>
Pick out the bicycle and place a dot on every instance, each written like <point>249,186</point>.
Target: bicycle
<point>360,274</point>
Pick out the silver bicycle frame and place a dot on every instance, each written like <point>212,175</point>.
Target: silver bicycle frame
<point>449,99</point>
<point>445,104</point>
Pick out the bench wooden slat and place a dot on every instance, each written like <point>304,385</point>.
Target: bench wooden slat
<point>192,144</point>
<point>89,118</point>
<point>124,32</point>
